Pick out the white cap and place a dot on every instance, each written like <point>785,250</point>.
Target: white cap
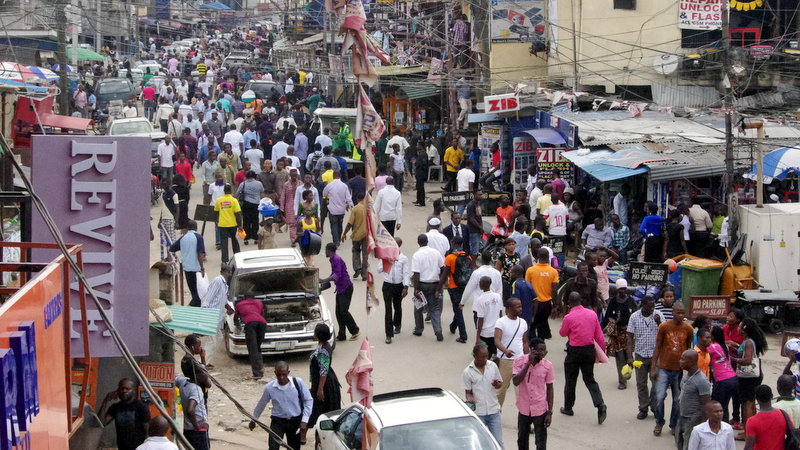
<point>434,222</point>
<point>621,283</point>
<point>774,198</point>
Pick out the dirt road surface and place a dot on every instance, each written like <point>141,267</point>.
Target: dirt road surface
<point>416,362</point>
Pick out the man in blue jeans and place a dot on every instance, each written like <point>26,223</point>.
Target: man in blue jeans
<point>481,378</point>
<point>673,338</point>
<point>456,280</point>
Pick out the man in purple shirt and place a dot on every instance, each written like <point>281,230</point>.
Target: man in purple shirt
<point>558,184</point>
<point>344,294</point>
<point>582,329</point>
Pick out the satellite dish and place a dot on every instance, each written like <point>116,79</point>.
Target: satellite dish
<point>666,64</point>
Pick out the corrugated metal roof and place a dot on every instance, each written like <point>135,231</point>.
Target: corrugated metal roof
<point>689,160</point>
<point>591,163</point>
<point>420,90</point>
<point>665,93</point>
<point>204,321</point>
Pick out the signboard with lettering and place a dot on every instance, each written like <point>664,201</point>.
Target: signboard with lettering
<point>549,160</point>
<point>700,14</point>
<point>162,378</point>
<point>97,190</point>
<point>524,156</point>
<point>712,306</point>
<point>556,244</point>
<point>501,103</point>
<point>647,274</point>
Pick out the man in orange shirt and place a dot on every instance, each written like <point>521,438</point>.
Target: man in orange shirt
<point>459,269</point>
<point>544,279</point>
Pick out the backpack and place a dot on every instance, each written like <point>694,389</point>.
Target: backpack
<point>314,158</point>
<point>463,270</point>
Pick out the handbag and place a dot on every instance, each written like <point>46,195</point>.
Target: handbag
<point>749,370</point>
<point>792,440</point>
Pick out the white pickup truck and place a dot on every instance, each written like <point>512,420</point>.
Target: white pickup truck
<point>290,291</point>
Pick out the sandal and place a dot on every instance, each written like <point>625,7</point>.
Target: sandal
<point>622,387</point>
<point>657,430</point>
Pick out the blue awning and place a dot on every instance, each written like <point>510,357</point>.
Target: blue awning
<point>37,43</point>
<point>593,163</point>
<point>546,136</point>
<point>215,6</point>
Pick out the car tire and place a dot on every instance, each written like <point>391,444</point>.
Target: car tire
<point>775,325</point>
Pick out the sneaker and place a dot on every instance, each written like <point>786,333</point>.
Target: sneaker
<point>388,340</point>
<point>439,337</point>
<point>736,425</point>
<point>417,333</point>
<point>355,336</point>
<point>567,412</point>
<point>461,340</point>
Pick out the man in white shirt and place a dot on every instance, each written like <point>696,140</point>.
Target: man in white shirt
<point>395,288</point>
<point>485,270</point>
<point>157,432</point>
<point>437,240</point>
<point>193,125</point>
<point>536,193</point>
<point>465,181</point>
<point>236,140</point>
<point>289,86</point>
<point>130,110</point>
<point>278,151</point>
<point>481,379</point>
<point>713,434</point>
<point>307,185</point>
<point>389,206</point>
<point>291,406</point>
<point>204,86</point>
<point>338,200</point>
<point>399,140</point>
<point>556,215</point>
<point>511,340</point>
<point>427,266</point>
<point>700,226</point>
<point>256,157</point>
<point>324,139</point>
<point>621,203</point>
<point>166,158</point>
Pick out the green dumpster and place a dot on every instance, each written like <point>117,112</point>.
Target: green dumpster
<point>700,277</point>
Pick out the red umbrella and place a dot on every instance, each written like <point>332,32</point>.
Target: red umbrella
<point>359,377</point>
<point>16,72</point>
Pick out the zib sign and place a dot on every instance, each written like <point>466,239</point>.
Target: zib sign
<point>501,103</point>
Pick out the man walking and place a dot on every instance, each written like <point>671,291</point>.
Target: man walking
<point>475,223</point>
<point>641,342</point>
<point>544,280</point>
<point>459,270</point>
<point>486,269</point>
<point>389,206</point>
<point>534,377</point>
<point>511,340</point>
<point>193,255</point>
<point>673,338</point>
<point>358,223</point>
<point>291,408</point>
<point>395,289</point>
<point>344,293</point>
<point>582,329</point>
<point>195,414</point>
<point>695,393</point>
<point>767,429</point>
<point>427,266</point>
<point>338,200</point>
<point>166,159</point>
<point>229,219</point>
<point>481,378</point>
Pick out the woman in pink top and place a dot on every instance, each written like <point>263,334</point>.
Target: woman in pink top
<point>724,377</point>
<point>601,259</point>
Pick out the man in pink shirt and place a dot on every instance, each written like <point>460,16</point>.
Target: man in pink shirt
<point>251,310</point>
<point>582,329</point>
<point>534,376</point>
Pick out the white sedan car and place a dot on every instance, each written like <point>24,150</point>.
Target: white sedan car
<point>429,418</point>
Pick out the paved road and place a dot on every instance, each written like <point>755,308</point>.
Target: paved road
<point>414,362</point>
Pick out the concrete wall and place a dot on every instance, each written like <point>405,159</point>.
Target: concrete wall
<point>511,62</point>
<point>613,45</point>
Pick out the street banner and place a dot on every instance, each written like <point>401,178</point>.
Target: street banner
<point>647,274</point>
<point>514,21</point>
<point>549,160</point>
<point>700,14</point>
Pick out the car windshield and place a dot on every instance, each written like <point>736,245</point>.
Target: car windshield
<point>114,87</point>
<point>122,128</point>
<point>261,89</point>
<point>463,433</point>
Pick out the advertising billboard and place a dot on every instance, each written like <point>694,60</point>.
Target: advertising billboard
<point>97,190</point>
<point>514,21</point>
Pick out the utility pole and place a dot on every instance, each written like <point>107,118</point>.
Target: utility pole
<point>74,18</point>
<point>481,20</point>
<point>574,51</point>
<point>728,106</point>
<point>98,33</point>
<point>61,56</point>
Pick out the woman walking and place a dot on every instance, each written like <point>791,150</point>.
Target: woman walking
<point>324,385</point>
<point>748,366</point>
<point>725,383</point>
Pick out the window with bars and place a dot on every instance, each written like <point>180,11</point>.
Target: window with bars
<point>624,4</point>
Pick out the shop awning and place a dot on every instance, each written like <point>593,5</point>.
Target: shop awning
<point>592,163</point>
<point>65,122</point>
<point>217,6</point>
<point>202,321</point>
<point>546,136</point>
<point>84,54</point>
<point>421,90</point>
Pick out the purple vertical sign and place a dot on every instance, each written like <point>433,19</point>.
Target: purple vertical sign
<point>97,190</point>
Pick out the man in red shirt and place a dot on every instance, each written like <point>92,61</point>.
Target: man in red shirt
<point>148,96</point>
<point>767,429</point>
<point>184,167</point>
<point>251,311</point>
<point>242,174</point>
<point>582,329</point>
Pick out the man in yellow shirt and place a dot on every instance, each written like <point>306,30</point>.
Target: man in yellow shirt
<point>358,223</point>
<point>229,219</point>
<point>545,201</point>
<point>544,279</point>
<point>453,157</point>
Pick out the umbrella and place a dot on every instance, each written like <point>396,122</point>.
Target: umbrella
<point>70,69</point>
<point>215,5</point>
<point>84,54</point>
<point>777,164</point>
<point>41,72</point>
<point>14,71</point>
<point>359,377</point>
